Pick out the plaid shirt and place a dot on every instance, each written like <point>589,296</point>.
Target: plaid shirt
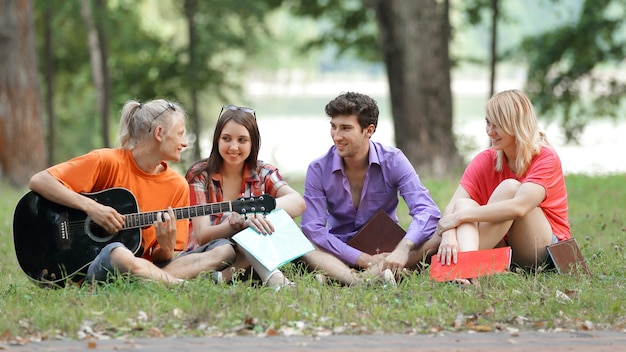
<point>264,180</point>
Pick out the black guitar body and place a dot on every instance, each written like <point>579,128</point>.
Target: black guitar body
<point>54,243</point>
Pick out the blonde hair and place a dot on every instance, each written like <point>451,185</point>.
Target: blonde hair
<point>139,119</point>
<point>512,111</point>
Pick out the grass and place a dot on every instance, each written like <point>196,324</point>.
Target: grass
<point>199,308</point>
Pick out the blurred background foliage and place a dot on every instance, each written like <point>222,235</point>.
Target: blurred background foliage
<point>570,52</point>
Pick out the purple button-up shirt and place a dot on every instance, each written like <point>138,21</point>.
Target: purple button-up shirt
<point>330,219</point>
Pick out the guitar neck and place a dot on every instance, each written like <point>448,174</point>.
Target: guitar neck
<point>148,218</point>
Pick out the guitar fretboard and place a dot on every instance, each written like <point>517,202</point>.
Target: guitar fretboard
<point>148,218</point>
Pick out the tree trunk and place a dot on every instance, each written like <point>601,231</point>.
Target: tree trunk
<point>414,39</point>
<point>105,109</point>
<point>97,54</point>
<point>493,54</point>
<point>191,8</point>
<point>21,136</point>
<point>49,79</point>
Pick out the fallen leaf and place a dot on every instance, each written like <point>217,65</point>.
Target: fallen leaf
<point>539,324</point>
<point>479,328</point>
<point>323,332</point>
<point>338,330</point>
<point>562,296</point>
<point>570,293</point>
<point>178,313</point>
<point>155,332</point>
<point>435,329</point>
<point>5,336</point>
<point>289,331</point>
<point>91,344</point>
<point>512,331</point>
<point>142,316</point>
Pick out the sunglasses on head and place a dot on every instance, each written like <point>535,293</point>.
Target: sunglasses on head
<point>169,106</point>
<point>241,108</point>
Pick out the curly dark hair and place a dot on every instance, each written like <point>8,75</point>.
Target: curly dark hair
<point>351,103</point>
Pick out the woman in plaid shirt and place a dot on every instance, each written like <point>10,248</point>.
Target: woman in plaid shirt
<point>232,171</point>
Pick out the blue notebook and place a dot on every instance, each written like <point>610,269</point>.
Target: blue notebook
<point>284,245</point>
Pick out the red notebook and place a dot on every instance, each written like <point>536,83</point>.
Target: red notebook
<point>472,264</point>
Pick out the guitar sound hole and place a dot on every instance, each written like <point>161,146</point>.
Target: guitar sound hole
<point>96,232</point>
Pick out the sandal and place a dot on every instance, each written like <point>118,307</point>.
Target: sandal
<point>278,284</point>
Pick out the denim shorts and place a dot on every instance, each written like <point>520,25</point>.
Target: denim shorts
<point>101,269</point>
<point>554,240</point>
<point>206,247</point>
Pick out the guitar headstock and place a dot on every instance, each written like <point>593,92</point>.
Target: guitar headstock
<point>259,204</point>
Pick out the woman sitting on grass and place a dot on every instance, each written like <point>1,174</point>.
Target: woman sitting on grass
<point>231,171</point>
<point>512,194</point>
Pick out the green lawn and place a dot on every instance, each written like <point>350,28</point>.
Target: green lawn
<point>503,302</point>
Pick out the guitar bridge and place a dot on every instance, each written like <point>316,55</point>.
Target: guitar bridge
<point>64,232</point>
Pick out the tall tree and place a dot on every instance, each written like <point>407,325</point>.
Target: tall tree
<point>474,12</point>
<point>414,38</point>
<point>48,73</point>
<point>493,53</point>
<point>140,65</point>
<point>221,36</point>
<point>21,136</point>
<point>98,53</point>
<point>191,9</point>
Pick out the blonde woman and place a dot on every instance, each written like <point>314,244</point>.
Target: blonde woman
<point>511,194</point>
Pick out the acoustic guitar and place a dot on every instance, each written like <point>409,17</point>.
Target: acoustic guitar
<point>55,243</point>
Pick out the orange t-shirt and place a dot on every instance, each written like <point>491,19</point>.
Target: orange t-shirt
<point>105,168</point>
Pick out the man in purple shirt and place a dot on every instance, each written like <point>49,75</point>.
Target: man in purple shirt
<point>346,186</point>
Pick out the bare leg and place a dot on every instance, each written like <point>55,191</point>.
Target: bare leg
<point>467,234</point>
<point>423,253</point>
<point>491,234</point>
<point>485,235</point>
<point>124,261</point>
<point>191,265</point>
<point>417,258</point>
<point>529,236</point>
<point>331,266</point>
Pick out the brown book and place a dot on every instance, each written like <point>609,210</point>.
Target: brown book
<point>379,235</point>
<point>566,257</point>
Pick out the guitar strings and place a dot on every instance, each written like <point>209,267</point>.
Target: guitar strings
<point>148,218</point>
